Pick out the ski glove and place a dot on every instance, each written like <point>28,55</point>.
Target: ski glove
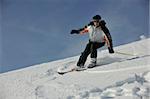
<point>74,32</point>
<point>110,50</point>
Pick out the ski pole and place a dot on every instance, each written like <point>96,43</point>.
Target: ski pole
<point>123,52</point>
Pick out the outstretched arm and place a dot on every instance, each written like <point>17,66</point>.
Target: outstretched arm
<point>80,31</point>
<point>84,31</point>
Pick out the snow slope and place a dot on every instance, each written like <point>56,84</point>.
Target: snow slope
<point>118,76</point>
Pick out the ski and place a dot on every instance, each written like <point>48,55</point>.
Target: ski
<point>62,72</point>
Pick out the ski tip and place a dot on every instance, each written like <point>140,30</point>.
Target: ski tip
<point>60,73</point>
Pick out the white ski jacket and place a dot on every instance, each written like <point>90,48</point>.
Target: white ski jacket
<point>95,33</point>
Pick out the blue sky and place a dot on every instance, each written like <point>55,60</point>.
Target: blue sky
<point>37,31</point>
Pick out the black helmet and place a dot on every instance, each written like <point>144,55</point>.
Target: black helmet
<point>97,17</point>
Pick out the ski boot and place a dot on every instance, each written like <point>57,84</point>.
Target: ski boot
<point>80,67</point>
<point>93,63</point>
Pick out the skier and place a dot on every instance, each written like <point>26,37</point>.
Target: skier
<point>98,36</point>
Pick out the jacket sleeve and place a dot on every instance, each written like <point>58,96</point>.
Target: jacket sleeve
<point>85,30</point>
<point>106,31</point>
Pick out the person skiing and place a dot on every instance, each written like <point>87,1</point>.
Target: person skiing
<point>99,35</point>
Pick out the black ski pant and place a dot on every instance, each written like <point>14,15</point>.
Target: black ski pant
<point>91,48</point>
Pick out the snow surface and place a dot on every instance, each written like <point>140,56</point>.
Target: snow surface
<point>118,76</point>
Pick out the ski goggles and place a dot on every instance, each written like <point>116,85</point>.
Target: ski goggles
<point>96,21</point>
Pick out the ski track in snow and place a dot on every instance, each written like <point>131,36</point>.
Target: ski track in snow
<point>115,70</point>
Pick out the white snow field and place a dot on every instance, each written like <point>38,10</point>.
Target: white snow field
<point>117,76</point>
